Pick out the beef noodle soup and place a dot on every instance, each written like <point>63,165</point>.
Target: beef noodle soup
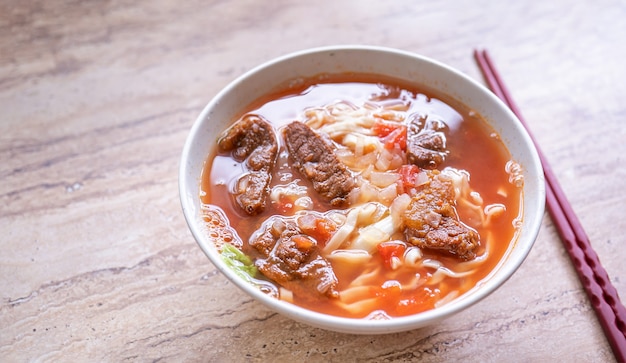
<point>361,196</point>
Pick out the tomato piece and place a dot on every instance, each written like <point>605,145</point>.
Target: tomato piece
<point>303,243</point>
<point>391,133</point>
<point>409,177</point>
<point>324,230</point>
<point>390,250</point>
<point>420,301</point>
<point>382,128</point>
<point>396,137</point>
<point>320,229</point>
<point>390,290</point>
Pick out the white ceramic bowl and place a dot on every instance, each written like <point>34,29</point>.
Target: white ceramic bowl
<point>224,107</point>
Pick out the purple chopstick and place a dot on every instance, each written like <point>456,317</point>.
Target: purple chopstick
<point>601,293</point>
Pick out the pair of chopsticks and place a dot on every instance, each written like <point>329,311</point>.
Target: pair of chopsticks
<point>601,293</point>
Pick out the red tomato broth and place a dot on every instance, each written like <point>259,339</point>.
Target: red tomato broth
<point>473,146</point>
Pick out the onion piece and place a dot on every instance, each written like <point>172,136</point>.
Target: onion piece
<point>397,209</point>
<point>342,233</point>
<point>388,194</point>
<point>383,179</point>
<point>372,235</point>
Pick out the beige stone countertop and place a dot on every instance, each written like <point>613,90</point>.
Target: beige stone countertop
<point>97,97</point>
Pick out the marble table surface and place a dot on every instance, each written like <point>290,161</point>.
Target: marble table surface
<point>97,97</point>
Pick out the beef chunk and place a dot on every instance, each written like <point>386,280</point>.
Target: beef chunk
<point>426,148</point>
<point>293,260</point>
<point>252,139</point>
<point>314,159</point>
<point>431,221</point>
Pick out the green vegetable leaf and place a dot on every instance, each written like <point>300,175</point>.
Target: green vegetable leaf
<point>238,262</point>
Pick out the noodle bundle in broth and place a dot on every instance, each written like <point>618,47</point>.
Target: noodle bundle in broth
<point>361,196</point>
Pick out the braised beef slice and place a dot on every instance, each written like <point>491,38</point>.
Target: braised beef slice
<point>315,160</point>
<point>431,221</point>
<point>293,260</point>
<point>252,139</point>
<point>426,148</point>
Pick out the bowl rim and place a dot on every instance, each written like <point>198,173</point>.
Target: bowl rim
<point>353,325</point>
